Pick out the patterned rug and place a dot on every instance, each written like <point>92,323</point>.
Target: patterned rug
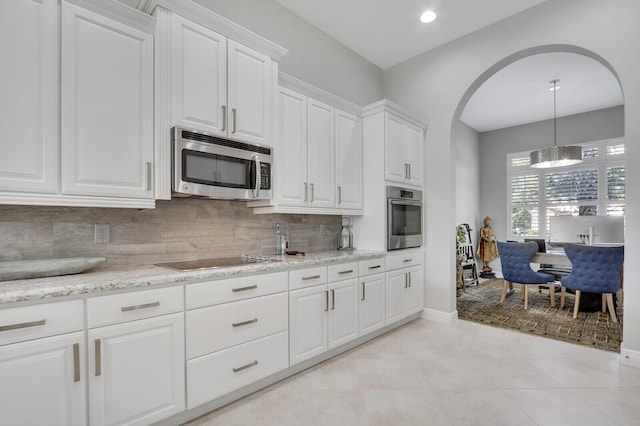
<point>594,329</point>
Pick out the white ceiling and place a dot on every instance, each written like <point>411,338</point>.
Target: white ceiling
<point>387,32</point>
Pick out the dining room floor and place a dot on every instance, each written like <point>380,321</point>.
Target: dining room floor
<point>428,373</point>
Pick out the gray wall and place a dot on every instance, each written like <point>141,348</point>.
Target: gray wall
<point>468,188</point>
<point>495,145</point>
<point>313,57</point>
<point>438,84</point>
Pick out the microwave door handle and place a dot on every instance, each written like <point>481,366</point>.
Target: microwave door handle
<point>256,190</point>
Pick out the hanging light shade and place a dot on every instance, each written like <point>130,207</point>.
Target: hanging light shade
<point>555,156</point>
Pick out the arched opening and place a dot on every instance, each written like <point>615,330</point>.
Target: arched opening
<point>475,201</point>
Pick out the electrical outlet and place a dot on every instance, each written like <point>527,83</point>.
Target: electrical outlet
<point>102,233</point>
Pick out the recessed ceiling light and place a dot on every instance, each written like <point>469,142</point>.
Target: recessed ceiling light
<point>428,16</point>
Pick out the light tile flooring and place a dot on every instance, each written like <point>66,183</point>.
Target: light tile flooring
<point>427,373</point>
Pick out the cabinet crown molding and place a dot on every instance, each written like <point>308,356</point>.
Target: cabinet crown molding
<point>206,17</point>
<point>387,105</point>
<point>300,86</point>
<point>119,12</point>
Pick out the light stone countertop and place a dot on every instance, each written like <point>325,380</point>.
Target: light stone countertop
<point>91,282</point>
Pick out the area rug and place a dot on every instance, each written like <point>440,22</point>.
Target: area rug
<point>594,329</point>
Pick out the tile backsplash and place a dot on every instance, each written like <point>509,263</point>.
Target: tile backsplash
<point>180,229</point>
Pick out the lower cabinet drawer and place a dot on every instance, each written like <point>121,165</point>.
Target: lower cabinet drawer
<point>222,326</point>
<point>217,374</point>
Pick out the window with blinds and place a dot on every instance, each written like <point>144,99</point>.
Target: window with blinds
<point>597,186</point>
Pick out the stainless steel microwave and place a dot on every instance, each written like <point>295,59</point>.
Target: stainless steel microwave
<point>404,218</point>
<point>209,166</point>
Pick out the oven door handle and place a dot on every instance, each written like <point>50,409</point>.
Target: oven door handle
<point>256,189</point>
<point>405,203</point>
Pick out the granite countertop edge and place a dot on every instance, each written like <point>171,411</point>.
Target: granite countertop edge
<point>145,276</point>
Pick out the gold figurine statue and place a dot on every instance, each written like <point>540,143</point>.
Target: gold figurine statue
<point>487,247</point>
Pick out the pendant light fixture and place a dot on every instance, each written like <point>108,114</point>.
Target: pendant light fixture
<point>556,156</point>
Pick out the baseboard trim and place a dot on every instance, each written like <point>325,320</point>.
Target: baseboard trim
<point>439,316</point>
<point>629,357</point>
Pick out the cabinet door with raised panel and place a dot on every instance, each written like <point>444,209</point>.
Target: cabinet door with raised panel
<point>371,309</point>
<point>308,308</point>
<point>414,291</point>
<point>394,164</point>
<point>107,106</point>
<point>343,312</point>
<point>29,100</point>
<point>137,371</point>
<point>413,154</point>
<point>394,295</point>
<point>199,77</point>
<point>291,149</point>
<point>321,154</point>
<point>348,160</point>
<point>42,381</point>
<point>250,94</point>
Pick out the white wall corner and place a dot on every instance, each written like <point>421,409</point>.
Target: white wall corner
<point>439,316</point>
<point>629,357</point>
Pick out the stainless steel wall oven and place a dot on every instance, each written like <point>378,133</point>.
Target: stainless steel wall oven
<point>404,218</point>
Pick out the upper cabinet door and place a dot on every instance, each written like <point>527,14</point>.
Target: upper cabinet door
<point>250,94</point>
<point>29,101</point>
<point>395,167</point>
<point>199,77</point>
<point>107,106</point>
<point>321,154</point>
<point>291,149</point>
<point>414,141</point>
<point>348,160</point>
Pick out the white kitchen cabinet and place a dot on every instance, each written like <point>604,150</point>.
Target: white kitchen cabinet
<point>403,151</point>
<point>320,154</point>
<point>29,103</point>
<point>404,293</point>
<point>322,316</point>
<point>107,106</point>
<point>348,131</point>
<point>136,365</point>
<point>43,381</point>
<point>371,308</point>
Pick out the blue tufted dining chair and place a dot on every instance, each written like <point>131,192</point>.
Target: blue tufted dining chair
<point>516,268</point>
<point>594,269</point>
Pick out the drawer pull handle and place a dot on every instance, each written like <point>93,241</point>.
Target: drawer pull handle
<point>312,277</point>
<point>76,362</point>
<point>98,358</point>
<point>250,287</point>
<point>408,260</point>
<point>374,267</point>
<point>244,367</point>
<point>345,272</point>
<point>136,307</point>
<point>240,324</point>
<point>22,325</point>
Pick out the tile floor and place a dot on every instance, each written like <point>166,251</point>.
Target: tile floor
<point>427,373</point>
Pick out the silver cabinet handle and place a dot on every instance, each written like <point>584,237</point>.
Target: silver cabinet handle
<point>244,367</point>
<point>312,277</point>
<point>137,307</point>
<point>333,300</point>
<point>22,325</point>
<point>240,324</point>
<point>408,260</point>
<point>409,276</point>
<point>98,357</point>
<point>339,195</point>
<point>405,280</point>
<point>345,272</point>
<point>250,287</point>
<point>233,119</point>
<point>224,118</point>
<point>375,267</point>
<point>363,289</point>
<point>306,190</point>
<point>405,171</point>
<point>408,170</point>
<point>76,362</point>
<point>312,195</point>
<point>148,176</point>
<point>326,300</point>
